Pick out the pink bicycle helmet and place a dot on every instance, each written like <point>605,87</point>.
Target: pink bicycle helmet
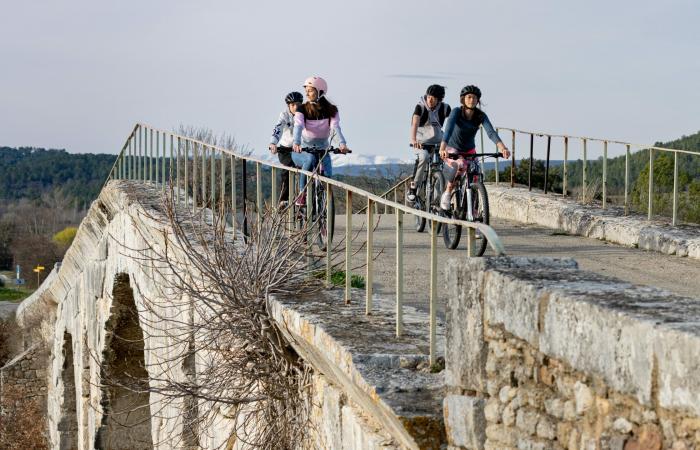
<point>318,83</point>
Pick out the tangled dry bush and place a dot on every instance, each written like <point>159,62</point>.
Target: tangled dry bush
<point>237,364</point>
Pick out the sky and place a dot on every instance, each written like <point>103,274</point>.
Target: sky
<point>79,74</point>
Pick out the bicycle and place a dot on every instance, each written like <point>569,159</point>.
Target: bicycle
<point>474,206</point>
<point>322,212</point>
<point>432,189</point>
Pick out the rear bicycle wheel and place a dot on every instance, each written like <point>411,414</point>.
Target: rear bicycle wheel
<point>452,233</point>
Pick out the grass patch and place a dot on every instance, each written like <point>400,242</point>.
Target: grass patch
<point>13,295</point>
<point>338,278</point>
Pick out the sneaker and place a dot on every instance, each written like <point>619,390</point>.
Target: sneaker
<point>411,194</point>
<point>282,204</point>
<point>445,201</point>
<point>301,200</point>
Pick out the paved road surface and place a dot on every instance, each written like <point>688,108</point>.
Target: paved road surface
<point>678,275</point>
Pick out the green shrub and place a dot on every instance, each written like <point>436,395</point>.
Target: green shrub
<point>338,278</point>
<point>65,237</point>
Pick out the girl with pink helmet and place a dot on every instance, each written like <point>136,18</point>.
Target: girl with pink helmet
<point>315,123</point>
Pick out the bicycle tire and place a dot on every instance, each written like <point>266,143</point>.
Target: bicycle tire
<point>437,179</point>
<point>326,219</point>
<point>420,221</point>
<point>482,213</point>
<point>452,233</point>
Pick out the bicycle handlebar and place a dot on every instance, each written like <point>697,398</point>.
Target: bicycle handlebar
<point>333,150</point>
<point>425,146</point>
<point>473,155</point>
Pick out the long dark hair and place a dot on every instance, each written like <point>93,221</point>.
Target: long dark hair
<point>321,109</point>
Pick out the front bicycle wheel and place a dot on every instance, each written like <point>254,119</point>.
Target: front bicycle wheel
<point>326,217</point>
<point>419,204</point>
<point>452,233</point>
<point>480,211</point>
<point>437,181</point>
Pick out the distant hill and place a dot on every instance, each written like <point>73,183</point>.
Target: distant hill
<point>29,172</point>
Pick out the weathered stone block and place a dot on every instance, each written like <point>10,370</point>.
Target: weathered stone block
<point>465,421</point>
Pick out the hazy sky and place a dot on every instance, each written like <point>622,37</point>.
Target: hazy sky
<point>78,74</point>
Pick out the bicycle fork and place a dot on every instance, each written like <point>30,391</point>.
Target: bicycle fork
<point>470,213</point>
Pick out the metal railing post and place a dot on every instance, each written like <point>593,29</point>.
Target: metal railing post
<point>433,291</point>
<point>497,171</point>
<point>195,187</point>
<point>290,204</point>
<point>605,173</point>
<point>170,162</point>
<point>137,151</point>
<point>259,195</point>
<point>471,241</point>
<point>150,157</point>
<point>627,177</point>
<point>223,185</point>
<point>273,183</point>
<point>233,196</point>
<point>187,182</point>
<point>512,160</point>
<point>329,247</point>
<point>532,160</point>
<point>309,218</point>
<point>177,169</point>
<point>583,178</point>
<point>650,209</point>
<point>129,159</point>
<point>370,249</point>
<point>155,162</point>
<point>546,167</point>
<point>212,179</point>
<point>675,188</point>
<point>399,272</point>
<point>481,144</point>
<point>348,242</point>
<point>204,175</point>
<point>163,166</point>
<point>566,159</point>
<point>244,190</point>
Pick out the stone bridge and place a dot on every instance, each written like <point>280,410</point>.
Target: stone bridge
<point>537,352</point>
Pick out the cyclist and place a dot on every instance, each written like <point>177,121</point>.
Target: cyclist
<point>426,129</point>
<point>458,139</point>
<point>281,140</point>
<point>314,123</point>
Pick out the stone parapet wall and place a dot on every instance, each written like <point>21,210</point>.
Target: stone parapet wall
<point>366,384</point>
<point>541,355</point>
<point>23,391</point>
<point>610,224</point>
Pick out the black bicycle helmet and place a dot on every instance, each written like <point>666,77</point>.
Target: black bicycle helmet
<point>436,91</point>
<point>294,97</point>
<point>471,89</point>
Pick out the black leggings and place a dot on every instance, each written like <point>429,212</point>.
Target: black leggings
<point>285,156</point>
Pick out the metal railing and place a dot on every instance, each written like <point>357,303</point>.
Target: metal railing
<point>585,182</point>
<point>156,156</point>
<point>584,141</point>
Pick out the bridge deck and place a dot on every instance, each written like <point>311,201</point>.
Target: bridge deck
<point>678,275</point>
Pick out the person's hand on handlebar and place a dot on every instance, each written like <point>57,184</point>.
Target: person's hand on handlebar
<point>443,150</point>
<point>503,149</point>
<point>415,144</point>
<point>296,148</point>
<point>272,148</point>
<point>343,148</point>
